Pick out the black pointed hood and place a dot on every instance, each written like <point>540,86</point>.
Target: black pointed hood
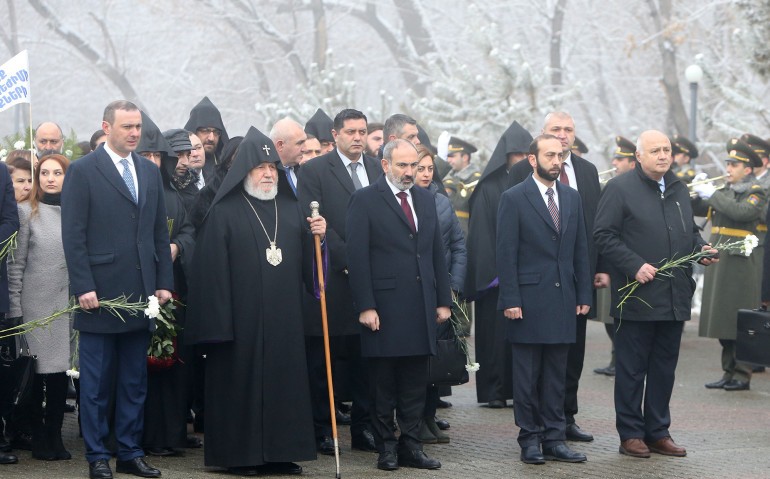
<point>320,125</point>
<point>515,140</point>
<point>206,115</point>
<point>152,139</point>
<point>255,149</point>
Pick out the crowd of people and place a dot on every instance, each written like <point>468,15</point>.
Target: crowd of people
<point>223,227</point>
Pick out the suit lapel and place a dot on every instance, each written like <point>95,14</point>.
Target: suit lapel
<point>565,206</point>
<point>142,178</point>
<point>373,169</point>
<point>532,193</point>
<point>340,172</point>
<point>107,168</point>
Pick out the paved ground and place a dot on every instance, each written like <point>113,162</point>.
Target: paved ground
<point>727,434</point>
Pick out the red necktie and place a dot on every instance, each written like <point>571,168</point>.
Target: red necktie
<point>407,210</point>
<point>563,178</point>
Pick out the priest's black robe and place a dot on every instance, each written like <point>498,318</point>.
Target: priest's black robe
<point>248,314</point>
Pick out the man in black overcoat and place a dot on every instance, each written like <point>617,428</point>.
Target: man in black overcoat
<point>400,286</point>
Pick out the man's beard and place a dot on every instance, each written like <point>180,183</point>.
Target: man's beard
<point>545,174</point>
<point>400,183</point>
<point>259,193</point>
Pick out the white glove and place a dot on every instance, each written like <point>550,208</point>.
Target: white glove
<point>705,190</point>
<point>700,177</point>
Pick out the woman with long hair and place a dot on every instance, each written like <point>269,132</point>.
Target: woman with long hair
<point>38,287</point>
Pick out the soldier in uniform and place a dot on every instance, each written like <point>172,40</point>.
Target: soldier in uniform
<point>684,152</point>
<point>624,160</point>
<point>731,284</point>
<point>578,147</point>
<point>462,178</point>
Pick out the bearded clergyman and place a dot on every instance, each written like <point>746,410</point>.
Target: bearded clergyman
<point>255,251</point>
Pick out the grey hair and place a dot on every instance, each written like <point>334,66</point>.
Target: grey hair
<point>395,125</point>
<point>557,114</point>
<point>387,152</point>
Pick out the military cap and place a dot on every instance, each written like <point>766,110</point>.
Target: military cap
<point>680,144</point>
<point>760,146</point>
<point>626,148</point>
<point>457,145</point>
<point>739,150</point>
<point>579,147</point>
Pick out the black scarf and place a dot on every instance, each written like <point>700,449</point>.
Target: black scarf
<point>53,199</point>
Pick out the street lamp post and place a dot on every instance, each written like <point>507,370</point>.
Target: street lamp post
<point>694,75</point>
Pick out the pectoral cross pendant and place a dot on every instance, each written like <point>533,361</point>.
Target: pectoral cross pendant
<point>273,254</point>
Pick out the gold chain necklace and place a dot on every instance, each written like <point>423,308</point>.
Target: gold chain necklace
<point>273,254</point>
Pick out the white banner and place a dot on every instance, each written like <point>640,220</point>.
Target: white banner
<point>14,81</point>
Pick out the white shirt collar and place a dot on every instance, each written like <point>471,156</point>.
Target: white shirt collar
<point>346,161</point>
<point>396,191</point>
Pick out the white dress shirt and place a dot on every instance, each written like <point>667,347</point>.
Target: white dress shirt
<point>569,169</point>
<point>360,171</point>
<point>543,188</point>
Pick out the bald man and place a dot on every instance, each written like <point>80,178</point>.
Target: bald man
<point>48,139</point>
<point>289,138</point>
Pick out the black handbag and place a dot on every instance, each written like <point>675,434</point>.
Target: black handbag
<point>447,367</point>
<point>752,343</point>
<point>18,373</point>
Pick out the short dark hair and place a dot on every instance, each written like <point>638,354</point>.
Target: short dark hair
<point>347,114</point>
<point>395,124</point>
<point>534,147</point>
<point>374,127</point>
<point>95,137</point>
<point>109,110</point>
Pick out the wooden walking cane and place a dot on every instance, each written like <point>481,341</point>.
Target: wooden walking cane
<point>330,385</point>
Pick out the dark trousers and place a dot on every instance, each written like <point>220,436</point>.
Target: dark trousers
<point>577,353</point>
<point>104,358</point>
<point>492,350</point>
<point>646,356</point>
<point>610,328</point>
<point>399,382</point>
<point>350,348</point>
<point>538,392</point>
<point>733,368</point>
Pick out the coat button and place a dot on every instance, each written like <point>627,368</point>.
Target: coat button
<point>418,278</point>
<point>557,285</point>
<point>553,238</point>
<point>670,228</point>
<point>138,267</point>
<point>411,236</point>
<point>133,215</point>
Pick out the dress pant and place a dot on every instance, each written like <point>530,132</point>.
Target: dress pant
<point>577,353</point>
<point>348,347</point>
<point>113,365</point>
<point>646,356</point>
<point>733,369</point>
<point>399,382</point>
<point>538,392</point>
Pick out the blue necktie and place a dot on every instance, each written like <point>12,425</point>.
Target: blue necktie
<point>128,178</point>
<point>289,169</point>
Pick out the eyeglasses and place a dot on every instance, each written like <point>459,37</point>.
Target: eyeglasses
<point>208,131</point>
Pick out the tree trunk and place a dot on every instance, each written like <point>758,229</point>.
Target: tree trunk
<point>557,24</point>
<point>661,17</point>
<point>321,33</point>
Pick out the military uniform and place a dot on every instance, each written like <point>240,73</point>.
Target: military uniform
<point>730,284</point>
<point>762,149</point>
<point>459,185</point>
<point>686,172</point>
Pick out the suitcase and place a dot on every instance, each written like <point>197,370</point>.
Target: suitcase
<point>753,339</point>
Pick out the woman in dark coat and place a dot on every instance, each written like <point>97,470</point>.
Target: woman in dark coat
<point>454,250</point>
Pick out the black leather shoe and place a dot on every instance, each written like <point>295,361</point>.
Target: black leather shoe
<point>717,384</point>
<point>758,369</point>
<point>5,446</point>
<point>417,459</point>
<point>563,453</point>
<point>325,446</point>
<point>574,433</point>
<point>138,467</point>
<point>736,385</point>
<point>608,371</point>
<point>443,404</point>
<point>6,458</point>
<point>496,404</point>
<point>343,418</point>
<point>387,461</point>
<point>244,471</point>
<point>442,424</point>
<point>280,468</point>
<point>99,470</point>
<point>532,455</point>
<point>363,441</point>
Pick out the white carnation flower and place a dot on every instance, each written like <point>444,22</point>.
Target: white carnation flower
<point>19,145</point>
<point>749,243</point>
<point>73,373</point>
<point>472,367</point>
<point>153,307</point>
